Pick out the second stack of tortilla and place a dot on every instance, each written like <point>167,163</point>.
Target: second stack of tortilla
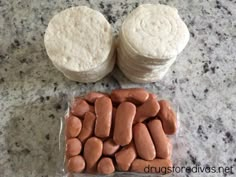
<point>150,39</point>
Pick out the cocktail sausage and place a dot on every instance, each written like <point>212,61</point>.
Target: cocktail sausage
<point>92,153</point>
<point>143,142</point>
<point>92,96</point>
<point>125,157</point>
<point>167,117</point>
<point>123,123</point>
<point>79,107</point>
<point>148,109</point>
<point>105,166</point>
<point>73,126</point>
<point>159,138</point>
<point>103,110</point>
<point>134,95</point>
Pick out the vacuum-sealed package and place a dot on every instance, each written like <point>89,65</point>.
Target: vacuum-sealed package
<point>121,132</point>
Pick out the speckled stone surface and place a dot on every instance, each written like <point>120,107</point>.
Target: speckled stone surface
<point>33,93</point>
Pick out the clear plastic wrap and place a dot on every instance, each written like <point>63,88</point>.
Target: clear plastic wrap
<point>162,93</point>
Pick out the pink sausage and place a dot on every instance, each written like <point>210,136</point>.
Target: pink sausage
<point>153,96</point>
<point>125,157</point>
<point>92,96</point>
<point>143,142</point>
<point>159,138</point>
<point>87,127</point>
<point>79,107</point>
<point>134,95</point>
<point>105,166</point>
<point>167,117</point>
<point>148,109</point>
<point>123,123</point>
<point>92,152</point>
<point>73,147</point>
<point>103,110</point>
<point>109,147</point>
<point>73,126</point>
<point>76,164</point>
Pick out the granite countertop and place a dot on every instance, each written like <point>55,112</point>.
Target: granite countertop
<point>33,92</point>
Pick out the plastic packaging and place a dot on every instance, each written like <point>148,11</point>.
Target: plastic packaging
<point>161,92</point>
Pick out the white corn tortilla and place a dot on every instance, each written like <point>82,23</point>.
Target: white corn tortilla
<point>78,39</point>
<point>91,76</point>
<point>155,31</point>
